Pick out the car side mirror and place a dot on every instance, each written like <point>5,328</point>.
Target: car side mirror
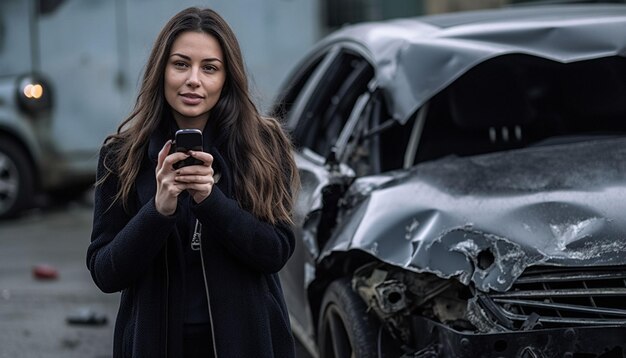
<point>332,163</point>
<point>331,197</point>
<point>332,194</point>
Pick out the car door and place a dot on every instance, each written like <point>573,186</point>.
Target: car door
<point>316,106</point>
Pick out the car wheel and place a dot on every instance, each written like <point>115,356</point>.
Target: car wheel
<point>345,327</point>
<point>16,179</point>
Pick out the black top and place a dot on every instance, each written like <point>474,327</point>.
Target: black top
<point>141,254</point>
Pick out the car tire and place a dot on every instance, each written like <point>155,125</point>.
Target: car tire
<point>345,328</point>
<point>16,179</point>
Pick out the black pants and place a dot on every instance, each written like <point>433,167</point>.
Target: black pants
<point>197,341</point>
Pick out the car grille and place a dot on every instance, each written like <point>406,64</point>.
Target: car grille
<point>551,297</point>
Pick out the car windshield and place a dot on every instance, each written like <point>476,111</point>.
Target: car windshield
<point>516,101</point>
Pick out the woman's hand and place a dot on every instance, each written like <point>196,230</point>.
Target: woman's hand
<point>168,188</point>
<point>197,179</point>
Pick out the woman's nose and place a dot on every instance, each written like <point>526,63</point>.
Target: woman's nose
<point>193,80</point>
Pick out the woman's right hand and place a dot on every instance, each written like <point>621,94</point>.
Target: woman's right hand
<point>167,189</point>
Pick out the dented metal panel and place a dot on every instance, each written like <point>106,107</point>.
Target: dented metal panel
<point>445,47</point>
<point>512,252</point>
<point>485,219</point>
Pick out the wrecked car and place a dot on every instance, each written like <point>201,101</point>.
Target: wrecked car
<point>463,186</point>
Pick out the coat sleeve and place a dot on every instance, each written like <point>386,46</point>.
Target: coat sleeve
<point>123,247</point>
<point>260,245</point>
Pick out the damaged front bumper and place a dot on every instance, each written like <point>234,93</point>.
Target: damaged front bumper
<point>434,339</point>
<point>548,312</point>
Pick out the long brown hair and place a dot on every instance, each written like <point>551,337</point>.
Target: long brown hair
<point>258,149</point>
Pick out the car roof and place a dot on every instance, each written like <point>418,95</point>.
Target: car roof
<point>416,58</point>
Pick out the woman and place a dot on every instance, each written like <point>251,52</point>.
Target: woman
<point>221,297</point>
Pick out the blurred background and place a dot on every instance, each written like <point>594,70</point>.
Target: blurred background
<point>69,72</point>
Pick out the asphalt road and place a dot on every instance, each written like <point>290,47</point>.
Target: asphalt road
<point>34,311</point>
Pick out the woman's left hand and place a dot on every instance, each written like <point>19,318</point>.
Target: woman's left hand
<point>197,179</point>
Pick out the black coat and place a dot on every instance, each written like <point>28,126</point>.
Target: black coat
<point>140,254</point>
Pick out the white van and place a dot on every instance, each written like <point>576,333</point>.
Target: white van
<point>69,71</point>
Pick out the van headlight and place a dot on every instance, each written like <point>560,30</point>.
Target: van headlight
<point>34,94</point>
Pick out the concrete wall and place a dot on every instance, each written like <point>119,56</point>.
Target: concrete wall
<point>93,53</point>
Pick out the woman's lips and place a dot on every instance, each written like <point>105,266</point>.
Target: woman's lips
<point>191,99</point>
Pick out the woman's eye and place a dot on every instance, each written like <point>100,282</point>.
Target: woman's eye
<point>180,64</point>
<point>210,69</point>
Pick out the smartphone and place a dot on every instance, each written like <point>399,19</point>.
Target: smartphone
<point>186,140</point>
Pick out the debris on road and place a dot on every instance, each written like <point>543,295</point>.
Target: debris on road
<point>87,316</point>
<point>45,272</point>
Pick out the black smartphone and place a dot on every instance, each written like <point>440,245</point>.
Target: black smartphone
<point>186,140</point>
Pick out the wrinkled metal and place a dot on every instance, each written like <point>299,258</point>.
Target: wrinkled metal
<point>526,207</point>
<point>447,46</point>
<point>452,234</point>
<point>603,341</point>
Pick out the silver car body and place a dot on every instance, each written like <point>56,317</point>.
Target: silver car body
<point>481,220</point>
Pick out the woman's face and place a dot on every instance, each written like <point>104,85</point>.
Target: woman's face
<point>194,77</point>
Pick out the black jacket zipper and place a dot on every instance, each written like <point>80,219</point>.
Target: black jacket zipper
<point>167,296</point>
<point>197,237</point>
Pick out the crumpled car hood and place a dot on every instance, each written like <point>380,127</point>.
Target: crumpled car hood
<point>417,58</point>
<point>485,219</point>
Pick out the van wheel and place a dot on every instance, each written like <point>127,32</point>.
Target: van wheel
<point>345,327</point>
<point>16,179</point>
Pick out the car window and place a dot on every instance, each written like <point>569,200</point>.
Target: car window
<point>362,152</point>
<point>517,101</point>
<point>506,103</point>
<point>379,142</point>
<point>294,89</point>
<point>331,103</point>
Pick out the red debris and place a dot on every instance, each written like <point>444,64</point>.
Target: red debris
<point>45,272</point>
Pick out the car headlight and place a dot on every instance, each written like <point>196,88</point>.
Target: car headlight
<point>34,94</point>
